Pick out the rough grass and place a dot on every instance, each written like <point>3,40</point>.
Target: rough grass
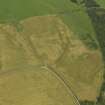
<point>101,2</point>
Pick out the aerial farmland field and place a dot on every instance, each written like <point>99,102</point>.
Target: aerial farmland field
<point>52,52</point>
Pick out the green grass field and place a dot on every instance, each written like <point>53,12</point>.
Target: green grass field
<point>74,16</point>
<point>20,9</point>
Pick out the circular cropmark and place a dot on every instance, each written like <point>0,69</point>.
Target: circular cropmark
<point>48,36</point>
